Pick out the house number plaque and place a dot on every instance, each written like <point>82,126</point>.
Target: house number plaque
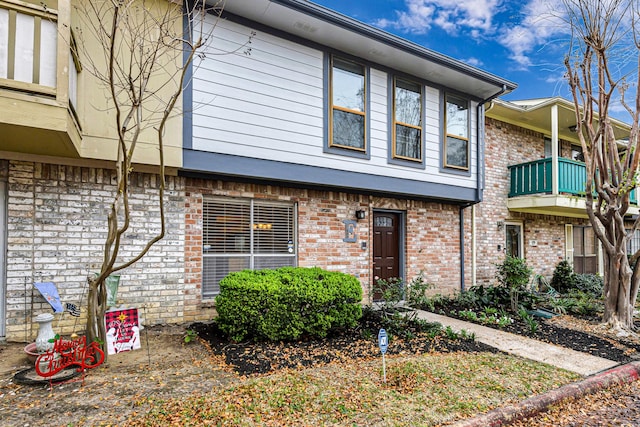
<point>349,231</point>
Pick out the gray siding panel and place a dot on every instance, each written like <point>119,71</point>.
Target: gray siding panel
<point>268,104</point>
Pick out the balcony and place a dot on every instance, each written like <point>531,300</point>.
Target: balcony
<point>531,189</point>
<point>38,80</point>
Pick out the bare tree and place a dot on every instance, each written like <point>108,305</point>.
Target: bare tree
<point>602,71</point>
<point>140,52</point>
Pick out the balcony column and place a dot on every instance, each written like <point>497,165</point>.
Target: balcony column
<point>63,46</point>
<point>554,149</point>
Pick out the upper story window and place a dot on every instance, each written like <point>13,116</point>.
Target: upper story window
<point>348,115</point>
<point>407,120</point>
<point>548,147</point>
<point>456,141</point>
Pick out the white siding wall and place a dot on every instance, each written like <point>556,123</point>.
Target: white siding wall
<point>269,105</point>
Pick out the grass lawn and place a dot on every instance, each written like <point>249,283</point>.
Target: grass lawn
<point>424,390</point>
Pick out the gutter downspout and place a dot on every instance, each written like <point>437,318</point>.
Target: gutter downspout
<point>461,216</point>
<point>480,180</point>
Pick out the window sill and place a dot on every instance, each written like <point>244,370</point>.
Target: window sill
<point>416,164</point>
<point>208,303</point>
<point>347,152</point>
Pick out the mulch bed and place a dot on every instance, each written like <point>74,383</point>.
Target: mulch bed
<point>577,333</point>
<point>617,350</point>
<point>251,358</point>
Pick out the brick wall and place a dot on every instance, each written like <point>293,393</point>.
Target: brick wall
<point>56,229</point>
<point>432,242</point>
<point>507,144</point>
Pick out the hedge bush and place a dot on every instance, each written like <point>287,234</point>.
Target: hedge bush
<point>286,303</point>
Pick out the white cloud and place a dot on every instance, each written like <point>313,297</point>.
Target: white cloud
<point>554,78</point>
<point>450,15</point>
<point>417,19</point>
<point>474,62</point>
<point>539,24</point>
<point>532,26</point>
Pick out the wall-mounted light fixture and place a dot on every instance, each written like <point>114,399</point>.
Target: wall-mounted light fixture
<point>500,225</point>
<point>360,214</point>
<point>573,128</point>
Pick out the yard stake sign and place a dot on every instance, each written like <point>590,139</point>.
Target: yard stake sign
<point>123,330</point>
<point>383,342</point>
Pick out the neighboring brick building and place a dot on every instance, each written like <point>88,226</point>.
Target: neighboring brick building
<point>528,209</point>
<point>57,228</point>
<point>57,150</point>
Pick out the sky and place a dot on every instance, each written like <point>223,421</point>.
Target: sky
<point>523,41</point>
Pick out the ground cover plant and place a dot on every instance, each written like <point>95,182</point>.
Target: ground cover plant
<point>560,330</point>
<point>581,299</point>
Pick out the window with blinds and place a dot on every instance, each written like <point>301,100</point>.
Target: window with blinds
<point>633,244</point>
<point>240,234</point>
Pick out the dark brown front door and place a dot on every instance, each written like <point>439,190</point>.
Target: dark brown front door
<point>386,246</point>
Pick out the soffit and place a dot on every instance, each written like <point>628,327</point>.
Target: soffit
<point>536,115</point>
<point>329,28</point>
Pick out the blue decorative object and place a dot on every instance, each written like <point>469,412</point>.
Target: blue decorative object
<point>50,293</point>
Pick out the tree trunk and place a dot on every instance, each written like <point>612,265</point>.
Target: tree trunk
<point>618,297</point>
<point>97,306</point>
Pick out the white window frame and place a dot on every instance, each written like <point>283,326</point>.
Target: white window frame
<point>519,224</point>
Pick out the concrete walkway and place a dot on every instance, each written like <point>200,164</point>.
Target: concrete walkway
<point>561,357</point>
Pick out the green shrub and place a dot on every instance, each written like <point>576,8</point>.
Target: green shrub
<point>589,283</point>
<point>392,297</point>
<point>513,274</point>
<point>286,303</point>
<point>563,277</point>
<point>390,294</point>
<point>417,292</point>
